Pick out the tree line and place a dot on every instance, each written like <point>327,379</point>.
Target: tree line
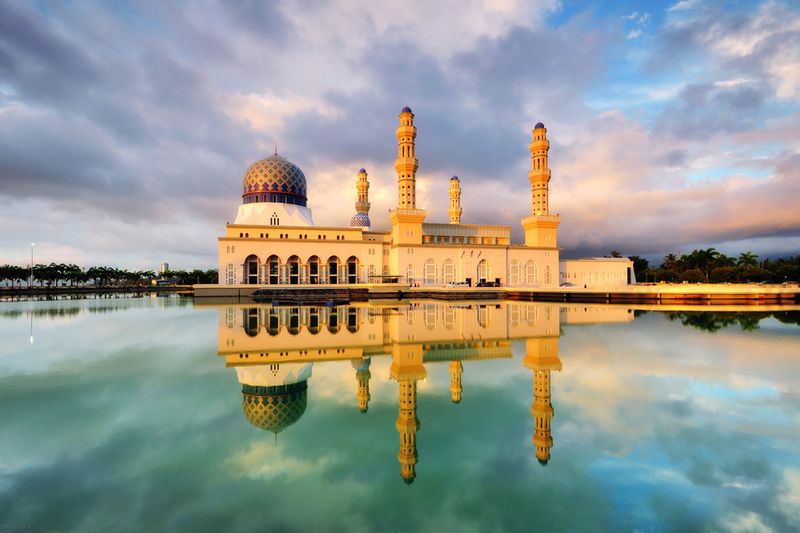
<point>712,266</point>
<point>55,275</point>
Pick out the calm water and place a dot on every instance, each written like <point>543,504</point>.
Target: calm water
<point>159,414</point>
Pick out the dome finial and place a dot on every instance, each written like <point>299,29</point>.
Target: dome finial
<point>276,148</point>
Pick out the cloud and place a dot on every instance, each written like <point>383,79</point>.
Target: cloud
<point>150,114</point>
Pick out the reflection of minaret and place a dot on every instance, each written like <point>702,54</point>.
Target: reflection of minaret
<point>407,368</point>
<point>456,369</point>
<point>362,378</point>
<point>541,356</point>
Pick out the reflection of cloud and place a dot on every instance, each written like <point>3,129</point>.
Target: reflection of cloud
<point>267,460</point>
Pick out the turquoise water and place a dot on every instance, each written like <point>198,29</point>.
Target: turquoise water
<point>127,414</point>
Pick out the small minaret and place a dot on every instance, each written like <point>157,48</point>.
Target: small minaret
<point>456,369</point>
<point>406,163</point>
<point>361,218</point>
<point>455,201</point>
<point>362,379</point>
<point>539,175</point>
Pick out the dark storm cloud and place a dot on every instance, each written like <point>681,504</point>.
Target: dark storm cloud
<point>38,61</point>
<point>706,110</point>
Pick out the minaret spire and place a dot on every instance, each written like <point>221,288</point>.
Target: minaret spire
<point>361,218</point>
<point>541,228</point>
<point>406,163</point>
<point>455,201</point>
<point>539,175</point>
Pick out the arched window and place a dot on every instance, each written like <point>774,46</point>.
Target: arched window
<point>448,271</point>
<point>230,274</point>
<point>371,274</point>
<point>513,273</point>
<point>531,273</point>
<point>547,275</point>
<point>410,274</point>
<point>484,271</point>
<point>429,272</point>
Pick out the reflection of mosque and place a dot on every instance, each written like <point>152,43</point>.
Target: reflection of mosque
<point>273,350</point>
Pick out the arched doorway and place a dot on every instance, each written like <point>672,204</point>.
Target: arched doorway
<point>251,270</point>
<point>294,270</point>
<point>352,270</point>
<point>333,270</point>
<point>313,270</point>
<point>273,269</point>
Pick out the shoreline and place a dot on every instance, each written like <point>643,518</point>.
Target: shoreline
<point>666,294</point>
<point>699,294</point>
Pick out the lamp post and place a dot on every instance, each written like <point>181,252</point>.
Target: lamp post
<point>30,284</point>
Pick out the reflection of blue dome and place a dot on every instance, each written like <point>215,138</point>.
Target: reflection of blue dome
<point>362,364</point>
<point>360,220</point>
<point>274,408</point>
<point>538,125</point>
<point>406,109</point>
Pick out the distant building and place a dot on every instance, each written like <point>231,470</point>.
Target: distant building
<point>164,268</point>
<point>273,240</point>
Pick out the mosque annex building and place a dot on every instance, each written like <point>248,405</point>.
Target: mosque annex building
<point>273,240</point>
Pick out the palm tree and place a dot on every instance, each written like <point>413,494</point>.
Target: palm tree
<point>747,259</point>
<point>670,262</point>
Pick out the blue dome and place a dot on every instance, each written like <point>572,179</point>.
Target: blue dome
<point>454,178</point>
<point>406,109</point>
<point>360,220</point>
<point>362,171</point>
<point>538,125</point>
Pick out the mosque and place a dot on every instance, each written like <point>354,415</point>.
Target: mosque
<point>273,240</point>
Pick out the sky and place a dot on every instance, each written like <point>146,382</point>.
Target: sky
<point>126,128</point>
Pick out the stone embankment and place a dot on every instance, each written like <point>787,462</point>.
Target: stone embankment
<point>701,294</point>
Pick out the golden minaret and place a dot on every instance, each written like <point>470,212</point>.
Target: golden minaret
<point>539,175</point>
<point>455,201</point>
<point>456,369</point>
<point>541,227</point>
<point>406,163</point>
<point>362,193</point>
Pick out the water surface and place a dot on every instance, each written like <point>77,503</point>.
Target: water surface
<point>158,414</point>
